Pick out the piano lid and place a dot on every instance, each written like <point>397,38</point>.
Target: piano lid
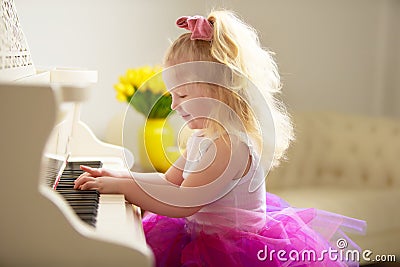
<point>15,57</point>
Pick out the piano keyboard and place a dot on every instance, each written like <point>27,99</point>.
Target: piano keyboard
<point>84,203</point>
<point>45,230</point>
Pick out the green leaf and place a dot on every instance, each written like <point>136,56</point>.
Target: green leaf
<point>150,104</point>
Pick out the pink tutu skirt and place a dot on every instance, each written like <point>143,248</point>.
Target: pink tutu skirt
<point>289,237</point>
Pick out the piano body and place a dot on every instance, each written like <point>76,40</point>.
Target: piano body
<point>39,115</point>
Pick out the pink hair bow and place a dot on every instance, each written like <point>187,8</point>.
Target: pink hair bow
<point>199,26</point>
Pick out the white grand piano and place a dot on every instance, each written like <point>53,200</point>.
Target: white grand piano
<point>40,132</point>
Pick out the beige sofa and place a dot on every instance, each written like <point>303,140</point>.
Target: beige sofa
<point>350,165</point>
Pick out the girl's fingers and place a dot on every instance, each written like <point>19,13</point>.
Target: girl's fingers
<point>85,168</point>
<point>93,171</point>
<point>82,180</point>
<point>89,185</point>
<point>85,174</point>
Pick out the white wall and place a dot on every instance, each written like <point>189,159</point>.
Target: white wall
<point>392,78</point>
<point>338,55</point>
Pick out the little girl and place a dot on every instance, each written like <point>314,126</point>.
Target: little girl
<point>211,208</point>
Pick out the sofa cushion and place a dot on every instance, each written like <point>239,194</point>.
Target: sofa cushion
<point>378,207</point>
<point>341,150</point>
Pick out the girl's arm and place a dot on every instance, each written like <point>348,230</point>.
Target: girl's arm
<point>97,172</point>
<point>216,170</point>
<point>175,173</point>
<point>212,179</point>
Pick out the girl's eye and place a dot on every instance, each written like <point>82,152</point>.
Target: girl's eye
<point>182,96</point>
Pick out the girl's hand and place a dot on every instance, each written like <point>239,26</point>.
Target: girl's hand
<point>105,185</point>
<point>97,172</point>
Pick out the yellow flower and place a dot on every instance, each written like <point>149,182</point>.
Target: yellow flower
<point>129,90</point>
<point>156,84</point>
<point>121,97</point>
<point>124,89</point>
<point>148,82</point>
<point>143,75</point>
<point>131,76</point>
<point>124,80</point>
<point>134,77</point>
<point>119,87</point>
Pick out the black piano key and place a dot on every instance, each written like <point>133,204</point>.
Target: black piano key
<point>89,220</point>
<point>88,217</point>
<point>81,202</point>
<point>78,192</point>
<point>70,175</point>
<point>81,197</point>
<point>67,183</point>
<point>76,164</point>
<point>64,186</point>
<point>84,210</point>
<point>66,180</point>
<point>84,203</point>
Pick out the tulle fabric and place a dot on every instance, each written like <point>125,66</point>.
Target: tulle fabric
<point>289,237</point>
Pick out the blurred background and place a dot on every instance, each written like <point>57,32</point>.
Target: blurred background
<point>339,61</point>
<point>333,55</point>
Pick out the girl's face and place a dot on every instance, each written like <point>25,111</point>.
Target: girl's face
<point>193,102</point>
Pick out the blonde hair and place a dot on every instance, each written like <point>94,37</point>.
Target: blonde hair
<point>237,45</point>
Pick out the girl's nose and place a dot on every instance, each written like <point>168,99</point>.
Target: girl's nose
<point>174,103</point>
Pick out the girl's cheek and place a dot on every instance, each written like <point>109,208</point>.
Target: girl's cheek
<point>195,107</point>
<point>204,106</point>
